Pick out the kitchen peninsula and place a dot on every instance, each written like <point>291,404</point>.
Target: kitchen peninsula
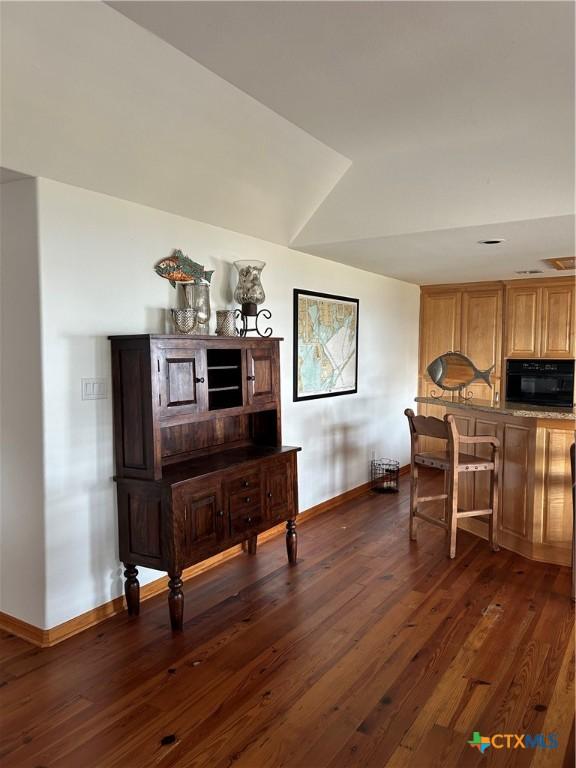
<point>535,489</point>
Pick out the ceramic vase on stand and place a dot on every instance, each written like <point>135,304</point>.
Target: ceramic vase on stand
<point>249,293</point>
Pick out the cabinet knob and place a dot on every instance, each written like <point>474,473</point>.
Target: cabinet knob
<point>269,494</point>
<point>199,380</point>
<point>251,378</point>
<point>248,520</point>
<point>245,483</point>
<point>221,513</point>
<point>247,499</point>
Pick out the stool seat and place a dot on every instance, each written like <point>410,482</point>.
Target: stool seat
<point>467,462</point>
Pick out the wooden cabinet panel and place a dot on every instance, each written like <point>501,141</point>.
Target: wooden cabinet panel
<point>516,450</point>
<point>183,386</point>
<point>439,325</point>
<point>278,484</point>
<point>140,523</point>
<point>482,334</point>
<point>484,426</point>
<point>199,519</point>
<point>261,375</point>
<point>523,327</point>
<point>557,321</point>
<point>557,519</point>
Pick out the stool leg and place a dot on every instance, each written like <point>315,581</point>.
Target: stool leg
<point>494,485</point>
<point>452,527</point>
<point>413,500</point>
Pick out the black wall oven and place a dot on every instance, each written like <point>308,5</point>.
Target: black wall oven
<point>540,382</point>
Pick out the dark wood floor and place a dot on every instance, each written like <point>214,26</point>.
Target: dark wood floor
<point>370,652</point>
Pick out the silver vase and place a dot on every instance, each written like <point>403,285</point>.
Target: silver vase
<point>185,320</point>
<point>226,322</point>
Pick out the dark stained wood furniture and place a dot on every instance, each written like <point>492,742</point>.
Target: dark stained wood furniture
<point>200,464</point>
<point>452,462</point>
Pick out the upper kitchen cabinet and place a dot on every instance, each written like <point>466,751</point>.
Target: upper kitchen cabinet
<point>439,324</point>
<point>557,336</point>
<point>481,333</point>
<point>540,319</point>
<point>463,318</point>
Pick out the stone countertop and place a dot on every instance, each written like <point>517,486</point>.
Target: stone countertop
<point>505,408</point>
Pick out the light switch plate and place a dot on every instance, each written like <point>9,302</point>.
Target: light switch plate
<point>94,389</point>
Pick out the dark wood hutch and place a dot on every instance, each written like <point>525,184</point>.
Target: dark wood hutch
<point>200,464</point>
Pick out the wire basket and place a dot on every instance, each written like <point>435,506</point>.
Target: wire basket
<point>384,475</point>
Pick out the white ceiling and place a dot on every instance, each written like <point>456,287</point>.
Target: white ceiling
<point>387,135</point>
<point>455,115</point>
<point>91,99</point>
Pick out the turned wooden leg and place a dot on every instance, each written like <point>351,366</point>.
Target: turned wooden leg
<point>291,541</point>
<point>251,545</point>
<point>176,601</point>
<point>132,589</point>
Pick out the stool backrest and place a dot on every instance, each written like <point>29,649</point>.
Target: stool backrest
<point>430,426</point>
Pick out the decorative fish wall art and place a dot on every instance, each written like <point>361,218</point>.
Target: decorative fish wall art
<point>453,371</point>
<point>178,268</point>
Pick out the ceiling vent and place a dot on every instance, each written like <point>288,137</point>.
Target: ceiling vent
<point>528,271</point>
<point>566,262</point>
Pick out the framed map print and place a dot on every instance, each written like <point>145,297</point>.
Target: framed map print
<point>325,345</point>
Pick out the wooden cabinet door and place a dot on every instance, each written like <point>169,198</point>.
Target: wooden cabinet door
<point>557,507</point>
<point>278,483</point>
<point>183,382</point>
<point>523,321</point>
<point>261,370</point>
<point>516,459</point>
<point>439,326</point>
<point>481,336</point>
<point>557,321</point>
<point>199,520</point>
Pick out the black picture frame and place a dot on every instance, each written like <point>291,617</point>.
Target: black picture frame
<point>295,345</point>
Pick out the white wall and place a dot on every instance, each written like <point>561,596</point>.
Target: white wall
<point>97,257</point>
<point>22,561</point>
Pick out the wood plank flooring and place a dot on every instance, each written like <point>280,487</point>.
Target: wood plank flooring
<point>372,651</point>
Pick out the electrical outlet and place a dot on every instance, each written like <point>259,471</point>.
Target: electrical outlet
<point>94,389</point>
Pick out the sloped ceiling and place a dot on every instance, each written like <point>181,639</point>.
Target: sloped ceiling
<point>388,135</point>
<point>458,118</point>
<point>91,99</point>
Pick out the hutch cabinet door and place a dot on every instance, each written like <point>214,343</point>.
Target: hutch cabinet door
<point>278,489</point>
<point>199,519</point>
<point>523,313</point>
<point>183,381</point>
<point>557,321</point>
<point>261,374</point>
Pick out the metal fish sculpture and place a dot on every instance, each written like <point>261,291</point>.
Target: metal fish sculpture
<point>453,371</point>
<point>178,268</point>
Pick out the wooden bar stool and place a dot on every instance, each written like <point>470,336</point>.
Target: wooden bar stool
<point>452,462</point>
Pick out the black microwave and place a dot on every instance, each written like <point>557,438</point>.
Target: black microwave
<point>540,382</point>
